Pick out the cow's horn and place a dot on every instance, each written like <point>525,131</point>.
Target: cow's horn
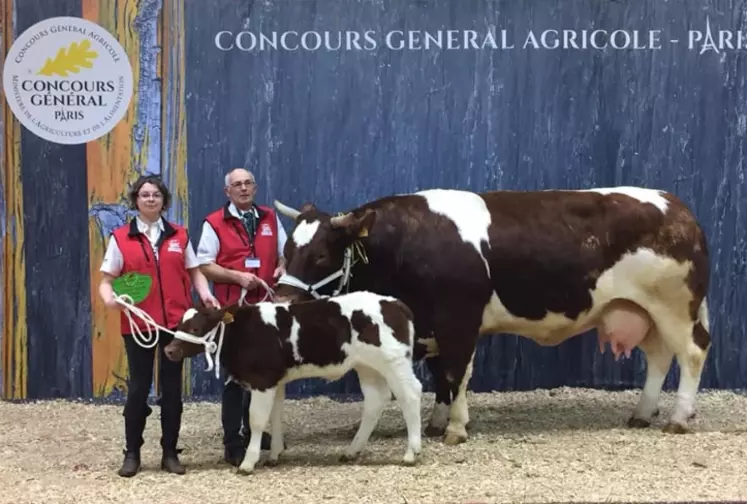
<point>340,220</point>
<point>286,210</point>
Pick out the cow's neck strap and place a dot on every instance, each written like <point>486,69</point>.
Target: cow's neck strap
<point>353,253</point>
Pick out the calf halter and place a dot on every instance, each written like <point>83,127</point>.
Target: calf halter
<point>353,253</point>
<point>208,340</point>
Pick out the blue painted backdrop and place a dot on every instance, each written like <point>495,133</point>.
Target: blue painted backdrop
<point>340,127</point>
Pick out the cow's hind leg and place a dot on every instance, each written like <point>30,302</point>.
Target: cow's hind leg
<point>658,361</point>
<point>690,341</point>
<point>376,395</point>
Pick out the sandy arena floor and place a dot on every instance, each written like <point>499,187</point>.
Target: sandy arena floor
<point>560,445</point>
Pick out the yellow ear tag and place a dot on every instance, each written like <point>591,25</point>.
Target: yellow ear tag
<point>227,317</point>
<point>363,232</point>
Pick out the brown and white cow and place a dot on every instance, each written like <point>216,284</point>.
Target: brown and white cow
<point>547,265</point>
<point>266,345</point>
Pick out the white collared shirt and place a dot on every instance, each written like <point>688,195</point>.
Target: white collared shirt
<point>209,246</point>
<point>113,260</point>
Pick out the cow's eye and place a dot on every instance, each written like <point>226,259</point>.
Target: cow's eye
<point>320,259</point>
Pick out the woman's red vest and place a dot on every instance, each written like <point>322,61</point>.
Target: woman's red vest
<point>236,247</point>
<point>170,292</point>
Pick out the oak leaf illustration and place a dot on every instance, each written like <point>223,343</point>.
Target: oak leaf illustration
<point>135,285</point>
<point>70,59</point>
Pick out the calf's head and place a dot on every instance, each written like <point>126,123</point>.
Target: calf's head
<point>316,247</point>
<point>196,322</point>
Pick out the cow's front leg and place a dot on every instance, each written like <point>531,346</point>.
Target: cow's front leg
<point>276,427</point>
<point>440,413</point>
<point>259,414</point>
<point>456,431</point>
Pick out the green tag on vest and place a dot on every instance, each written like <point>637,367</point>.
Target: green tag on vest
<point>135,285</point>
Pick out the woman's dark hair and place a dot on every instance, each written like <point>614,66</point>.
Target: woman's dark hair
<point>149,179</point>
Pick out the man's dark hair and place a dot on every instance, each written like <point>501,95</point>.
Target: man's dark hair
<point>150,179</point>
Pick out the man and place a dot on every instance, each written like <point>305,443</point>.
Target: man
<point>241,242</point>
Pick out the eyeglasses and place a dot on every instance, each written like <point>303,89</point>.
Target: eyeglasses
<point>247,183</point>
<point>156,195</point>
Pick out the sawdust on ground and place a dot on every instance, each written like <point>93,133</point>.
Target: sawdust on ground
<point>559,445</point>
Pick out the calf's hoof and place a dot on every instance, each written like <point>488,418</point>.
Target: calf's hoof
<point>272,462</point>
<point>410,459</point>
<point>433,431</point>
<point>638,423</point>
<point>675,428</point>
<point>244,471</point>
<point>349,457</point>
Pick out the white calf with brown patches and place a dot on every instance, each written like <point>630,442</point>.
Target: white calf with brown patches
<point>267,345</point>
<point>548,265</point>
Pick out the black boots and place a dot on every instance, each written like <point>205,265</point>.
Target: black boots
<point>169,463</point>
<point>131,465</point>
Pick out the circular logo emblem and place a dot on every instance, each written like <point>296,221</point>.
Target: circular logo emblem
<point>67,80</point>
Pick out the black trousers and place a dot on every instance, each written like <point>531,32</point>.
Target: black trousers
<point>136,410</point>
<point>234,413</point>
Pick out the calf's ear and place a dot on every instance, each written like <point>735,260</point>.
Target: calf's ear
<point>227,317</point>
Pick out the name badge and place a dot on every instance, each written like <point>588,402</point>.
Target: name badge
<point>251,262</point>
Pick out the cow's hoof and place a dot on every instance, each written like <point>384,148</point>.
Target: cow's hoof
<point>638,423</point>
<point>675,428</point>
<point>244,471</point>
<point>453,439</point>
<point>433,431</point>
<point>272,463</point>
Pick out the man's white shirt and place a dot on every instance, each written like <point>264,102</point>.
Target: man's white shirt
<point>207,249</point>
<point>113,260</point>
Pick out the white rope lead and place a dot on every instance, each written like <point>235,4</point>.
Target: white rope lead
<point>153,328</point>
<point>137,334</point>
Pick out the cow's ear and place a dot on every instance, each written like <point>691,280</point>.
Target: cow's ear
<point>365,223</point>
<point>227,317</point>
<point>353,225</point>
<point>308,207</point>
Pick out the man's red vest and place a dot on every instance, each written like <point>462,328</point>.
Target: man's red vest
<point>236,247</point>
<point>170,292</point>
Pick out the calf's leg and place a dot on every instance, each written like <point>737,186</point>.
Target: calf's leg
<point>408,390</point>
<point>276,426</point>
<point>376,395</point>
<point>259,414</point>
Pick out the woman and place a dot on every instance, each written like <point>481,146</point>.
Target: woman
<point>151,245</point>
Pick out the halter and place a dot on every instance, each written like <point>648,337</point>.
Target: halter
<point>208,340</point>
<point>353,253</point>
